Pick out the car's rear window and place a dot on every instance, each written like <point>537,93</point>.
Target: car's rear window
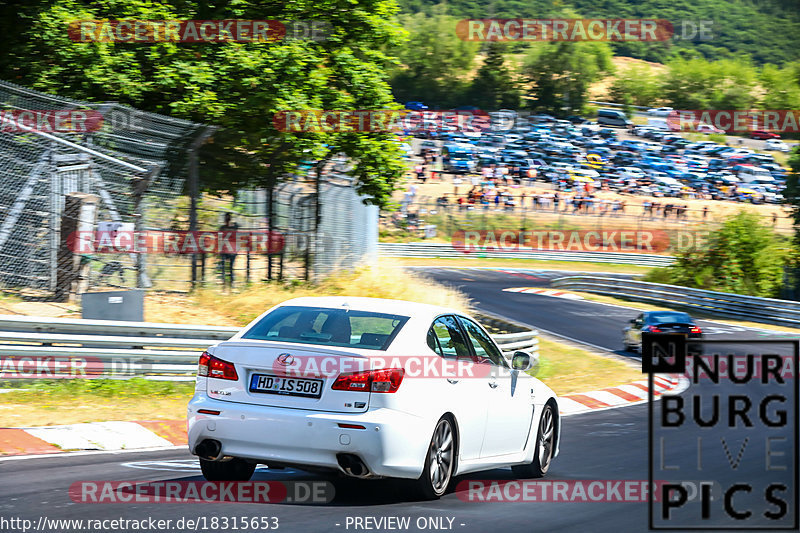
<point>667,317</point>
<point>328,327</point>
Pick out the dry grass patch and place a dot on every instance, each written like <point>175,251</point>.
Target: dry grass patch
<point>386,280</point>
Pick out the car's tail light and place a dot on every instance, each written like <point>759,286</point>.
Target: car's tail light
<point>384,380</point>
<point>695,329</point>
<point>653,329</point>
<point>212,367</point>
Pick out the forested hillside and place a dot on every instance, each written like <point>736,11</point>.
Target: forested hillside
<point>766,30</point>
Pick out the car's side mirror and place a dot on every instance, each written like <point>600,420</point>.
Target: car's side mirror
<point>524,362</point>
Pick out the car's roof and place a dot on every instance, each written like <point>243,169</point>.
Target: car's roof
<point>670,312</point>
<point>378,305</point>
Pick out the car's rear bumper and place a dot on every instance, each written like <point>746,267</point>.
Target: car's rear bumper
<point>393,443</point>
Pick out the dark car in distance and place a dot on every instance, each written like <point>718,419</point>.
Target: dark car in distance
<point>660,322</point>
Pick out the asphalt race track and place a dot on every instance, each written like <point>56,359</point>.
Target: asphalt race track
<point>581,320</point>
<point>604,445</point>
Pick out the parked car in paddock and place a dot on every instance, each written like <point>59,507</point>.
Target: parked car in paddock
<point>659,322</point>
<point>660,111</point>
<point>252,403</point>
<point>776,145</point>
<point>612,117</point>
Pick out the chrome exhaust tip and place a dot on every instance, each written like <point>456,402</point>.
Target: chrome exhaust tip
<point>209,449</point>
<point>353,466</point>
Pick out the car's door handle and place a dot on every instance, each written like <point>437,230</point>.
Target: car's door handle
<point>493,384</point>
<point>451,380</point>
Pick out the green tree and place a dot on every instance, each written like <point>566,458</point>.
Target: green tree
<point>239,87</point>
<point>781,86</point>
<point>792,191</point>
<point>494,86</point>
<point>560,74</point>
<point>743,256</point>
<point>635,86</point>
<point>792,199</point>
<point>766,30</point>
<point>700,84</point>
<point>434,63</point>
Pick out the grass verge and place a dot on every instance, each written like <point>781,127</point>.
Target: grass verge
<point>55,402</point>
<point>564,368</point>
<point>568,369</point>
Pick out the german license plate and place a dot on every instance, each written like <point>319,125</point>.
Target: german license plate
<point>307,388</point>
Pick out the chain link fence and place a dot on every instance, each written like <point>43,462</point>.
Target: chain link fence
<point>69,169</point>
<point>128,167</point>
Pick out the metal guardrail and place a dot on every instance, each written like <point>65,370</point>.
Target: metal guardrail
<point>35,324</point>
<point>753,308</point>
<point>415,249</point>
<point>35,347</point>
<point>614,104</point>
<point>527,341</point>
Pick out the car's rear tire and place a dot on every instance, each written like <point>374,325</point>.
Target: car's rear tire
<point>545,446</point>
<point>233,470</point>
<point>439,462</point>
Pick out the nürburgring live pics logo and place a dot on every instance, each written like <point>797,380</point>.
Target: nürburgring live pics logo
<point>735,428</point>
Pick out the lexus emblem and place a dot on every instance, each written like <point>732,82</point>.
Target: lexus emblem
<point>286,359</point>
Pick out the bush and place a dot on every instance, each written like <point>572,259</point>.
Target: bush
<point>589,110</point>
<point>742,256</point>
<point>659,275</point>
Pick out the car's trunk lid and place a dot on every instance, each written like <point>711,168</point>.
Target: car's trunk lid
<point>674,327</point>
<point>297,376</point>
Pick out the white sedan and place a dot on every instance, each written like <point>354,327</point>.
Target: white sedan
<point>777,145</point>
<point>708,128</point>
<point>370,388</point>
<point>660,111</point>
<point>632,173</point>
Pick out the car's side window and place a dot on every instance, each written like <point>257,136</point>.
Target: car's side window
<point>452,344</point>
<point>433,342</point>
<point>484,346</point>
<point>639,321</point>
